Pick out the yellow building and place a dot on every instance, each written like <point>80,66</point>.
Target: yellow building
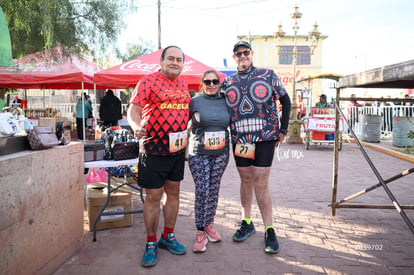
<point>280,58</point>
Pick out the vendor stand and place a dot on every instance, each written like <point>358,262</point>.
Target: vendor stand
<point>319,124</point>
<point>320,127</point>
<point>400,75</point>
<point>53,70</point>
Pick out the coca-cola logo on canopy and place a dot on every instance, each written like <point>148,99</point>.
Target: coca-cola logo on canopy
<point>138,65</point>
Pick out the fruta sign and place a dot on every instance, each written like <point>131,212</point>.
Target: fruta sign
<point>324,124</point>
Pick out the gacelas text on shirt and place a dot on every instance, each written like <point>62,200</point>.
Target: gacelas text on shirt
<point>174,106</point>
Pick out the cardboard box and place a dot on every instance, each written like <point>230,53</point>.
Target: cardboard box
<point>119,201</point>
<point>48,121</point>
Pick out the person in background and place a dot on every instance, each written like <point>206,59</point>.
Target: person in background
<point>409,106</point>
<point>192,94</point>
<point>251,96</point>
<point>90,115</point>
<point>208,155</point>
<point>124,124</point>
<point>353,111</point>
<point>158,114</point>
<point>322,102</point>
<point>332,103</point>
<point>2,104</point>
<point>82,114</point>
<point>354,102</point>
<point>16,101</point>
<point>110,110</point>
<point>387,112</point>
<point>301,108</point>
<point>124,120</point>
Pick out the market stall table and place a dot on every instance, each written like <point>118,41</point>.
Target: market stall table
<point>110,164</point>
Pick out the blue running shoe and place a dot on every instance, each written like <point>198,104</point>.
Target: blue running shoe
<point>244,231</point>
<point>150,255</point>
<point>172,244</point>
<point>271,243</point>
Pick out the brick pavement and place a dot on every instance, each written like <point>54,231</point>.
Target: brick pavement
<point>355,241</point>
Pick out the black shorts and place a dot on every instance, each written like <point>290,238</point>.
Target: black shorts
<point>154,170</point>
<point>263,155</point>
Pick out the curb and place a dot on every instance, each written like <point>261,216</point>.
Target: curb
<point>386,151</point>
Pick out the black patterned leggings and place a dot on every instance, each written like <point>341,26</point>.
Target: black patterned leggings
<point>207,171</point>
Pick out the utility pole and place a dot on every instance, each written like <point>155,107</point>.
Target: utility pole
<point>159,24</point>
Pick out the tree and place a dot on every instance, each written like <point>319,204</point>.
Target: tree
<point>134,51</point>
<point>79,26</point>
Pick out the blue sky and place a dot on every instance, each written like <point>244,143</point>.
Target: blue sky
<point>362,34</point>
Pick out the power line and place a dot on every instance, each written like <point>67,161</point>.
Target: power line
<point>222,7</point>
<point>199,10</point>
<point>155,4</point>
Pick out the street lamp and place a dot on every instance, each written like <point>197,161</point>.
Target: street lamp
<point>313,39</point>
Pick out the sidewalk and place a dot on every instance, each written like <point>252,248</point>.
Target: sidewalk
<point>355,241</point>
<point>385,146</point>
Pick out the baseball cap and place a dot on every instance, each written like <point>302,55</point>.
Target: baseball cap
<point>241,43</point>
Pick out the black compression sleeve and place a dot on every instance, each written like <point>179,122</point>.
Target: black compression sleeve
<point>286,106</point>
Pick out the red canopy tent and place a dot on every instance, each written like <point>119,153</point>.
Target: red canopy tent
<point>127,75</point>
<point>49,70</point>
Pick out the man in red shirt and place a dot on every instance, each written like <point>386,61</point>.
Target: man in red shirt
<point>158,115</point>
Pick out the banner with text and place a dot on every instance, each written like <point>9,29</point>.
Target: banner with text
<point>324,124</point>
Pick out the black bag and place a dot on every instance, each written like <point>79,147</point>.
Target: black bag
<point>119,145</point>
<point>63,132</point>
<point>42,137</point>
<point>125,150</point>
<point>107,138</point>
<point>93,152</point>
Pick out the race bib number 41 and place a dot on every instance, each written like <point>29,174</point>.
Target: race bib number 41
<point>245,150</point>
<point>178,141</point>
<point>214,140</point>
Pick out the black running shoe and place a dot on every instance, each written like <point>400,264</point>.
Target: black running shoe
<point>271,244</point>
<point>244,231</point>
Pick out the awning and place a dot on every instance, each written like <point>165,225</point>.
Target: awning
<point>127,75</point>
<point>49,70</point>
<point>400,75</point>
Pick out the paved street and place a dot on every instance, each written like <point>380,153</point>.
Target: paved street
<point>355,241</point>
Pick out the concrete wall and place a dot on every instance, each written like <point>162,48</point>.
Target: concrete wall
<point>41,209</point>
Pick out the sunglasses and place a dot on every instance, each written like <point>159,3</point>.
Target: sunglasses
<point>208,82</point>
<point>245,53</point>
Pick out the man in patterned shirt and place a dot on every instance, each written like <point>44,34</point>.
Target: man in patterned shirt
<point>158,115</point>
<point>251,95</point>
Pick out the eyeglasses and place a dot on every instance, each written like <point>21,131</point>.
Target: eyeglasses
<point>208,82</point>
<point>245,53</point>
